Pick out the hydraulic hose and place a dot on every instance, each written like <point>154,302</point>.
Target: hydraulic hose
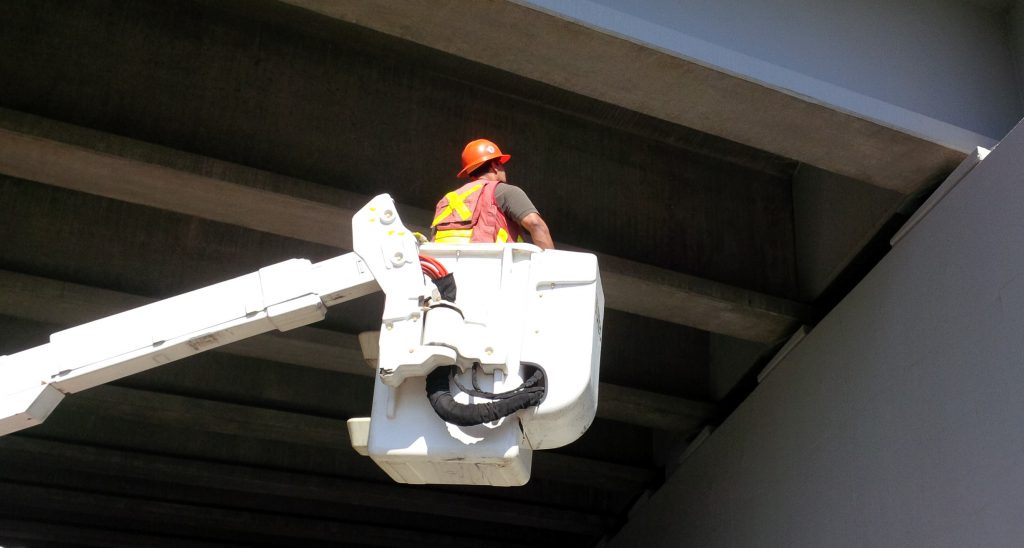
<point>460,414</point>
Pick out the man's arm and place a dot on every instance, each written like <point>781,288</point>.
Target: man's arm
<point>538,230</point>
<point>514,203</point>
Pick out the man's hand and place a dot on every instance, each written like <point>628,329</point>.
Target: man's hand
<point>538,230</point>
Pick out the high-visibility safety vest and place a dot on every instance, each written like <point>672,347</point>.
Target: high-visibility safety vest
<point>471,215</point>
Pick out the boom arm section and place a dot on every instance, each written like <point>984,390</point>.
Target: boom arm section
<point>282,296</point>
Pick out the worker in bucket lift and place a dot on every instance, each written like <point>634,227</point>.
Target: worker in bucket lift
<point>487,209</point>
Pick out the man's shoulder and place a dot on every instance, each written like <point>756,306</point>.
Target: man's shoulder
<point>513,201</point>
<point>505,189</point>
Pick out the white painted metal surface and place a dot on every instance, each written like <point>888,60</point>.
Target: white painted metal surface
<point>282,296</point>
<point>517,306</point>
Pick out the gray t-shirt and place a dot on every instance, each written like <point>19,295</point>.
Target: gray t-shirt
<point>513,202</point>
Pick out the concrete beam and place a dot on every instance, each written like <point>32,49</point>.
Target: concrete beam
<point>61,303</point>
<point>654,410</point>
<point>94,162</point>
<point>674,297</point>
<point>118,416</point>
<point>165,518</point>
<point>88,468</point>
<point>624,72</point>
<point>25,532</point>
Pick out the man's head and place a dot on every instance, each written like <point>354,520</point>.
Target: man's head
<point>491,169</point>
<point>483,157</point>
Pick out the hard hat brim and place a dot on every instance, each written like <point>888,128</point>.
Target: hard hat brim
<point>468,169</point>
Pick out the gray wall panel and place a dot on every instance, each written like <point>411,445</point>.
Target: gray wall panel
<point>897,421</point>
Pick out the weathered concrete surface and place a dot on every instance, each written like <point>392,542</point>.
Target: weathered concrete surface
<point>704,304</point>
<point>324,101</point>
<point>885,61</point>
<point>835,218</point>
<point>231,139</point>
<point>622,72</point>
<point>228,193</point>
<point>29,459</point>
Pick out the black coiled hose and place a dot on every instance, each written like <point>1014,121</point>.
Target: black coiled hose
<point>530,393</point>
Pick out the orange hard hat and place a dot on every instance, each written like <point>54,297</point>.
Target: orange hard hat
<point>479,151</point>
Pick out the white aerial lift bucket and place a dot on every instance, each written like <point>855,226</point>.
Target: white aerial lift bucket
<point>517,309</point>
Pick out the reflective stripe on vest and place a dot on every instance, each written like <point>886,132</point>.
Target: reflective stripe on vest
<point>502,237</point>
<point>471,214</point>
<point>457,204</point>
<point>458,236</point>
<point>465,236</point>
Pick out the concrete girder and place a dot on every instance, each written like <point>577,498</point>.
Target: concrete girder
<point>94,162</point>
<point>617,70</point>
<point>27,457</point>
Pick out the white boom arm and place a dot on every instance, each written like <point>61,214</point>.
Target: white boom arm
<point>419,333</point>
<point>282,296</point>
